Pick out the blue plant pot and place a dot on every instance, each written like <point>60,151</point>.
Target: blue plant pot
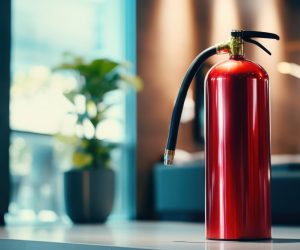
<point>89,194</point>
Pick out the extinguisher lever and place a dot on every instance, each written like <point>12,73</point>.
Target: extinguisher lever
<point>247,36</point>
<point>249,40</point>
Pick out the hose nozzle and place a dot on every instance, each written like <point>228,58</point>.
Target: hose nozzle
<point>169,157</point>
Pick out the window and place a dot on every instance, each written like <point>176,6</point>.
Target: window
<point>42,31</point>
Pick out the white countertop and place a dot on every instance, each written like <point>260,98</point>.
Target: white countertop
<point>136,235</point>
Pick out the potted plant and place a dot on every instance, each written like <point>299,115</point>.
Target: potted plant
<point>89,185</point>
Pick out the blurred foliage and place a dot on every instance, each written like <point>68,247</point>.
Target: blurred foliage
<point>95,79</point>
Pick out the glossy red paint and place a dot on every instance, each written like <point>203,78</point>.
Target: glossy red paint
<point>237,151</point>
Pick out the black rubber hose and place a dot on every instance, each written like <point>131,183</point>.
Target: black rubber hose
<point>186,82</point>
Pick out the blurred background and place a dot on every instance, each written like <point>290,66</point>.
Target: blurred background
<point>159,38</point>
<point>169,36</point>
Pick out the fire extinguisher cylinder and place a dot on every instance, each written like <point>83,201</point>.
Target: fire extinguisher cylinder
<point>237,140</point>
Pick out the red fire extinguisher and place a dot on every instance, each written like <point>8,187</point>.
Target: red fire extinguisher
<point>237,140</point>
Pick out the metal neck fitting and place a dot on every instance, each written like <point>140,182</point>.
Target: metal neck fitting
<point>234,47</point>
<point>237,46</point>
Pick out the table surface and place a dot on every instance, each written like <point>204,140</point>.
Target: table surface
<point>136,235</point>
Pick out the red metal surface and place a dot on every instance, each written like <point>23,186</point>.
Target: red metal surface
<point>237,151</point>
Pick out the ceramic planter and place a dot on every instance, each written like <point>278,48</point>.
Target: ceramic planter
<point>89,194</point>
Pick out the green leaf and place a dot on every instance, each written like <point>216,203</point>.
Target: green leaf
<point>70,140</point>
<point>133,81</point>
<point>104,66</point>
<point>71,95</point>
<point>81,159</point>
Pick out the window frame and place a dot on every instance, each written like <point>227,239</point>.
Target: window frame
<point>5,45</point>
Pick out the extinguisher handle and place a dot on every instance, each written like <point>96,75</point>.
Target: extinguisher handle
<point>259,34</point>
<point>247,36</point>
